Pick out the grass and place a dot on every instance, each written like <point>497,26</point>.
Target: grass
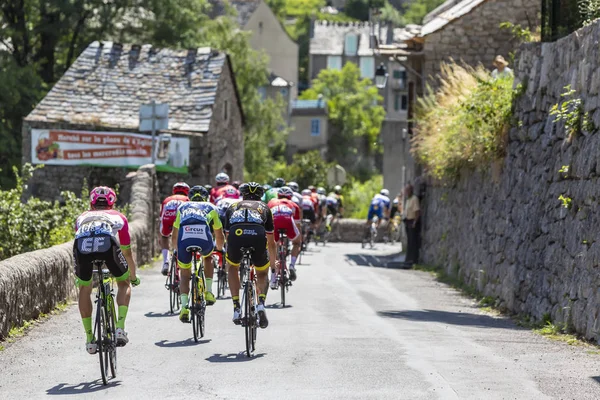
<point>489,304</point>
<point>19,331</point>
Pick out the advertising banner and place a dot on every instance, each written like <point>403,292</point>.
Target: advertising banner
<point>108,149</point>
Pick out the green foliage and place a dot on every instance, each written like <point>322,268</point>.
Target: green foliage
<point>35,224</point>
<point>389,13</point>
<point>465,122</point>
<point>306,169</point>
<point>417,10</point>
<point>358,9</point>
<point>523,35</point>
<point>354,107</point>
<point>589,10</point>
<point>571,112</point>
<point>358,196</point>
<point>566,201</point>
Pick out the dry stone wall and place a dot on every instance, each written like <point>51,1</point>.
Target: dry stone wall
<point>505,231</point>
<point>35,282</point>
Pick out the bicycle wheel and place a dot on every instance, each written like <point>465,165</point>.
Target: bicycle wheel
<point>111,329</point>
<point>193,315</point>
<point>100,342</point>
<point>254,315</point>
<point>173,297</point>
<point>201,305</point>
<point>248,319</point>
<point>282,285</point>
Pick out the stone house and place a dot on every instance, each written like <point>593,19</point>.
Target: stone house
<point>103,91</point>
<point>469,31</point>
<point>310,132</point>
<point>334,44</point>
<point>267,35</point>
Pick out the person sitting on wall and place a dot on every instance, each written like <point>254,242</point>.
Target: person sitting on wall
<point>502,70</point>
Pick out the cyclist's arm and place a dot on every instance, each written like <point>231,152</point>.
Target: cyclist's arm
<point>125,243</point>
<point>175,234</point>
<point>218,228</point>
<point>269,228</point>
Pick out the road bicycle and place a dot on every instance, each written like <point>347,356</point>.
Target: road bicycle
<point>323,231</point>
<point>104,325</point>
<point>372,234</point>
<point>172,285</point>
<point>282,277</point>
<point>306,235</point>
<point>221,276</point>
<point>197,299</point>
<point>249,299</point>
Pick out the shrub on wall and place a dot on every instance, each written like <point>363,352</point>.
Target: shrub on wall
<point>465,122</point>
<point>358,195</point>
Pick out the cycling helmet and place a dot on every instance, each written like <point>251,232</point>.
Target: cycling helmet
<point>385,192</point>
<point>208,187</point>
<point>181,188</point>
<point>252,191</point>
<point>306,192</point>
<point>198,193</point>
<point>102,196</point>
<point>322,191</point>
<point>279,182</point>
<point>266,186</point>
<point>337,189</point>
<point>294,186</point>
<point>236,184</point>
<point>222,178</point>
<point>285,192</point>
<point>312,189</point>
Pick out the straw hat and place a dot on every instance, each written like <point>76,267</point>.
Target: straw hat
<point>499,60</point>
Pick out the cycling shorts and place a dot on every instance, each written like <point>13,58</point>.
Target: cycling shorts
<point>193,235</point>
<point>375,212</point>
<point>105,248</point>
<point>248,235</point>
<point>310,215</point>
<point>332,209</point>
<point>166,225</point>
<point>287,224</point>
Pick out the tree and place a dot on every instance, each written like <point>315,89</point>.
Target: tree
<point>358,9</point>
<point>418,9</point>
<point>354,108</point>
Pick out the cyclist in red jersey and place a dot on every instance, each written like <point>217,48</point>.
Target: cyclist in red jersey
<point>168,214</point>
<point>286,215</point>
<point>223,189</point>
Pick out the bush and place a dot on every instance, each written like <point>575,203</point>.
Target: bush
<point>358,195</point>
<point>465,122</point>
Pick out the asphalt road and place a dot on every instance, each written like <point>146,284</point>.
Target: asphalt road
<point>353,330</point>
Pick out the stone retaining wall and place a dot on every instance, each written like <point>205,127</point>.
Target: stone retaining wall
<point>352,231</point>
<point>35,282</point>
<point>505,231</point>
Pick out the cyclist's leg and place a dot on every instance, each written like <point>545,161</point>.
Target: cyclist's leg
<point>83,273</point>
<point>117,265</point>
<point>184,261</point>
<point>296,238</point>
<point>166,227</point>
<point>260,259</point>
<point>233,257</point>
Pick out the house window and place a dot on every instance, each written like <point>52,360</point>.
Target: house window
<point>225,110</point>
<point>367,67</point>
<point>262,91</point>
<point>315,127</point>
<point>334,62</point>
<point>404,105</point>
<point>399,75</point>
<point>400,102</point>
<point>284,92</point>
<point>351,44</point>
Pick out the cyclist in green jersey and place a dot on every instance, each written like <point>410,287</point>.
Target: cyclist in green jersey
<point>272,193</point>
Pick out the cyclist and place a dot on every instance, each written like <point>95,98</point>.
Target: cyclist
<point>96,239</point>
<point>337,192</point>
<point>286,215</point>
<point>193,228</point>
<point>322,221</point>
<point>272,194</point>
<point>168,212</point>
<point>236,184</point>
<point>380,208</point>
<point>223,189</point>
<point>249,223</point>
<point>297,197</point>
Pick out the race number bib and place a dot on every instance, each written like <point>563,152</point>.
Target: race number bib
<point>194,232</point>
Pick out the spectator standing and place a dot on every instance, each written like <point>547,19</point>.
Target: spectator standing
<point>502,70</point>
<point>411,213</point>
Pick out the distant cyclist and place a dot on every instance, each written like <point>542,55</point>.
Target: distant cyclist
<point>249,223</point>
<point>379,207</point>
<point>168,213</point>
<point>286,216</point>
<point>192,228</point>
<point>96,236</point>
<point>296,197</point>
<point>272,194</point>
<point>223,189</point>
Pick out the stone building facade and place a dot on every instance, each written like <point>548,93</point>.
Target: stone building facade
<point>525,231</point>
<point>103,91</point>
<point>469,31</point>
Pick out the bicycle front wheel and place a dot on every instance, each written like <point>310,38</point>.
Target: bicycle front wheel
<point>248,319</point>
<point>100,324</point>
<point>111,317</point>
<point>172,294</point>
<point>193,315</point>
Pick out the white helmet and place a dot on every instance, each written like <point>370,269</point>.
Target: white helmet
<point>321,190</point>
<point>385,192</point>
<point>222,177</point>
<point>294,186</point>
<point>306,192</point>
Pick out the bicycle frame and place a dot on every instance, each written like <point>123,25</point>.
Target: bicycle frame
<point>249,300</point>
<point>198,302</point>
<point>104,326</point>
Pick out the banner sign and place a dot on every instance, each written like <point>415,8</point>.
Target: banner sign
<point>108,149</point>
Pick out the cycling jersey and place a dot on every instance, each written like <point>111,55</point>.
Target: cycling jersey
<point>308,203</point>
<point>105,222</point>
<point>226,192</point>
<point>271,194</point>
<point>297,198</point>
<point>332,204</point>
<point>379,205</point>
<point>248,222</point>
<point>194,220</point>
<point>168,213</point>
<point>223,205</point>
<point>285,214</point>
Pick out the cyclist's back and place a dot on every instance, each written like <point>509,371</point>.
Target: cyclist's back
<point>223,205</point>
<point>380,204</point>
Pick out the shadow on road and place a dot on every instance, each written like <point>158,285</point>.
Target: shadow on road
<point>277,306</point>
<point>159,315</point>
<point>383,261</point>
<point>181,343</point>
<point>453,318</point>
<point>233,357</point>
<point>81,388</point>
<point>596,378</point>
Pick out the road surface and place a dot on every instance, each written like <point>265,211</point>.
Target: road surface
<point>353,330</point>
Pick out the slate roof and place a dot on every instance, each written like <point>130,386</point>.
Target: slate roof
<point>446,13</point>
<point>108,82</point>
<point>328,37</point>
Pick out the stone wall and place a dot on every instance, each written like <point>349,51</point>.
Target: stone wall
<point>35,282</point>
<point>505,231</point>
<point>476,37</point>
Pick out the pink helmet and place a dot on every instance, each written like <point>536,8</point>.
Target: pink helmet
<point>103,194</point>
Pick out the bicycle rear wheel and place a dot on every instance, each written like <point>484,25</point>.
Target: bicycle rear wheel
<point>112,336</point>
<point>100,324</point>
<point>193,309</point>
<point>173,297</point>
<point>248,319</point>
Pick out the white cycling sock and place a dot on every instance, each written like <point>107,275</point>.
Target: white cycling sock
<point>165,254</point>
<point>293,262</point>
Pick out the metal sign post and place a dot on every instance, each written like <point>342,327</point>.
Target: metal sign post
<point>154,117</point>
